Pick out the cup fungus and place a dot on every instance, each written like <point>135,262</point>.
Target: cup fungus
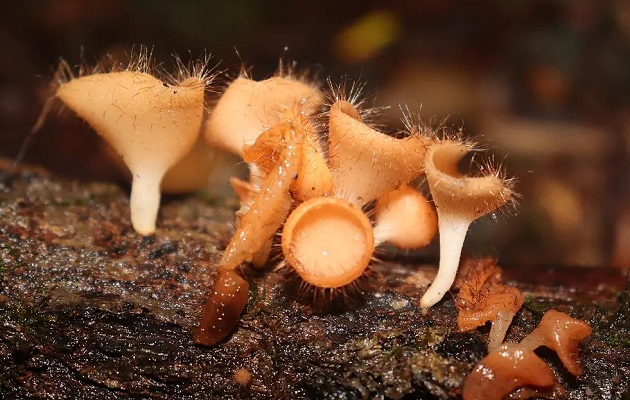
<point>151,124</point>
<point>247,108</point>
<point>503,370</point>
<point>328,241</point>
<point>562,334</point>
<point>459,200</point>
<point>513,365</point>
<point>366,163</point>
<point>405,219</point>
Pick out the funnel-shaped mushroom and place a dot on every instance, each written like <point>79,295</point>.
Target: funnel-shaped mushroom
<point>405,219</point>
<point>459,200</point>
<point>247,108</point>
<point>149,123</point>
<point>562,334</point>
<point>504,370</point>
<point>366,163</point>
<point>328,241</point>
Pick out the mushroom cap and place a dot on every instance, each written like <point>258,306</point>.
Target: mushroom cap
<point>328,241</point>
<point>192,172</point>
<point>562,334</point>
<point>247,108</point>
<point>405,219</point>
<point>366,163</point>
<point>149,123</point>
<point>472,197</point>
<point>504,370</point>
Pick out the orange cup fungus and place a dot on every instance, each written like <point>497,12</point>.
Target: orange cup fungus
<point>328,242</point>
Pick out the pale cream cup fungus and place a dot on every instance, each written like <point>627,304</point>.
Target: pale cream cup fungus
<point>366,163</point>
<point>459,200</point>
<point>247,108</point>
<point>404,218</point>
<point>151,124</point>
<point>328,241</point>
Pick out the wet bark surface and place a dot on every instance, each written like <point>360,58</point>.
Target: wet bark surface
<point>91,310</point>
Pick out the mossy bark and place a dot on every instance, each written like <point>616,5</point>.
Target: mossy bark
<point>90,309</point>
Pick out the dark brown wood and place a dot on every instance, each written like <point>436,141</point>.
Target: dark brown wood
<point>91,310</point>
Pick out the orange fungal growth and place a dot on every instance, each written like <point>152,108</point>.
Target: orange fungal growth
<point>504,370</point>
<point>562,334</point>
<point>247,108</point>
<point>459,200</point>
<point>151,124</point>
<point>271,204</point>
<point>405,219</point>
<point>223,309</point>
<point>314,178</point>
<point>366,163</point>
<point>328,241</point>
<point>483,298</point>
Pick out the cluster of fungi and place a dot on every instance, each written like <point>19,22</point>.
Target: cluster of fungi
<point>325,184</point>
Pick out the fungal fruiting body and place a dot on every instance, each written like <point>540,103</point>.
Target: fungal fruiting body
<point>149,123</point>
<point>404,218</point>
<point>482,298</point>
<point>247,108</point>
<point>257,226</point>
<point>366,163</point>
<point>459,200</point>
<point>328,241</point>
<point>515,364</point>
<point>503,370</point>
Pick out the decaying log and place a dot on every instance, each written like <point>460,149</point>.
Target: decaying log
<point>91,310</point>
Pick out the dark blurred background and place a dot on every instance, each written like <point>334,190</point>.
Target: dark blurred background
<point>545,84</point>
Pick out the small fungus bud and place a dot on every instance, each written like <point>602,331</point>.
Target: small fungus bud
<point>366,163</point>
<point>405,219</point>
<point>459,200</point>
<point>328,241</point>
<point>150,124</point>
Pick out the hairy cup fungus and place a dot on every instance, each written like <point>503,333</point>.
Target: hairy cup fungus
<point>366,163</point>
<point>500,372</point>
<point>247,108</point>
<point>483,298</point>
<point>459,200</point>
<point>151,124</point>
<point>257,226</point>
<point>513,365</point>
<point>405,219</point>
<point>328,241</point>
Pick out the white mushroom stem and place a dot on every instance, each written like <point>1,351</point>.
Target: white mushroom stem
<point>499,329</point>
<point>453,229</point>
<point>144,202</point>
<point>459,200</point>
